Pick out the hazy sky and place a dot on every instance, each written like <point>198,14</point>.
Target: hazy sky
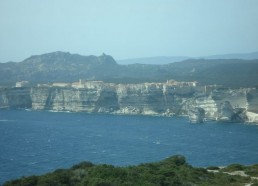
<point>127,28</point>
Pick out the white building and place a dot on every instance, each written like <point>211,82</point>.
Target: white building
<point>61,84</point>
<point>22,84</point>
<point>79,84</point>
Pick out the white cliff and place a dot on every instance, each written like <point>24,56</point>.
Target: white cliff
<point>141,99</point>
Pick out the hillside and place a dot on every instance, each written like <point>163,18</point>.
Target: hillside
<point>171,171</point>
<point>161,60</point>
<point>66,67</point>
<point>58,66</point>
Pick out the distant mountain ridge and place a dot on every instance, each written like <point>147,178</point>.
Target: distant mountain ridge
<point>153,60</point>
<point>171,59</point>
<point>246,56</point>
<point>66,67</point>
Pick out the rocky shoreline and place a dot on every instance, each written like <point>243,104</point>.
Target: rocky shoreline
<point>199,103</point>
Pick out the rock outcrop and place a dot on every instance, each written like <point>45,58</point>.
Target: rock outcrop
<point>196,115</point>
<point>225,111</point>
<point>199,103</point>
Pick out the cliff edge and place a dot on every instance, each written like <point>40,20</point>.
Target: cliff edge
<point>197,102</point>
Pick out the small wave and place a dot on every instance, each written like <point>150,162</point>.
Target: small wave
<point>113,154</point>
<point>52,111</point>
<point>5,120</point>
<point>33,163</point>
<point>28,155</point>
<point>157,142</point>
<point>65,111</point>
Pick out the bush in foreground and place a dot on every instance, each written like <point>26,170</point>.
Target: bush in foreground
<point>172,171</point>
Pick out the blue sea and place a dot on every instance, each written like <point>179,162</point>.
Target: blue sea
<point>36,142</point>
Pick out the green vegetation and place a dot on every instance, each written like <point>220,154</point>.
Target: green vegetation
<point>252,170</point>
<point>233,167</point>
<point>213,168</point>
<point>171,171</point>
<point>249,170</point>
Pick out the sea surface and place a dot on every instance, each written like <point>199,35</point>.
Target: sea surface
<point>36,142</point>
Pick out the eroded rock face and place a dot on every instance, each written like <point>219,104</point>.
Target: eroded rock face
<point>75,100</point>
<point>196,115</point>
<point>240,115</point>
<point>237,105</point>
<point>209,105</point>
<point>140,99</point>
<point>252,98</point>
<point>15,98</point>
<point>225,111</point>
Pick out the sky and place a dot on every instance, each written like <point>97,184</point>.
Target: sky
<point>127,28</point>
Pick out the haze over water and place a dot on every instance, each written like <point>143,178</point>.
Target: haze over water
<point>33,142</point>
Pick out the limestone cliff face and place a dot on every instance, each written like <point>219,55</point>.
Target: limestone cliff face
<point>252,105</point>
<point>145,99</point>
<point>226,111</point>
<point>208,104</point>
<point>15,98</point>
<point>196,115</point>
<point>252,98</point>
<point>75,100</point>
<point>140,99</point>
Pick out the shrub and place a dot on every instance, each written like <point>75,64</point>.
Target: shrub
<point>83,165</point>
<point>233,167</point>
<point>213,168</point>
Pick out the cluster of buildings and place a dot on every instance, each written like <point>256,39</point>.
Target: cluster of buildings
<point>93,84</point>
<point>80,84</point>
<point>182,83</point>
